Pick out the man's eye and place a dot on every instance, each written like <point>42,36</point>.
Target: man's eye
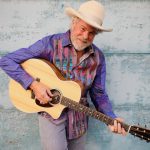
<point>82,29</point>
<point>92,33</point>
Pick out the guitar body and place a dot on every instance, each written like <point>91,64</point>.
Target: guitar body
<point>49,76</point>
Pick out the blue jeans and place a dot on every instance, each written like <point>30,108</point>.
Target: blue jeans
<point>53,136</point>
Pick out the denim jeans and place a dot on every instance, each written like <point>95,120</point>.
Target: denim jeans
<point>53,136</point>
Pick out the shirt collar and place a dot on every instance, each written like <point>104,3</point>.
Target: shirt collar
<point>66,39</point>
<point>90,49</point>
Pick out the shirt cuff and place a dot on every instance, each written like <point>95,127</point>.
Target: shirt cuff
<point>26,83</point>
<point>111,114</point>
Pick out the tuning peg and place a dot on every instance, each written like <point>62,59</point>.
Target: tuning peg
<point>145,126</point>
<point>148,140</point>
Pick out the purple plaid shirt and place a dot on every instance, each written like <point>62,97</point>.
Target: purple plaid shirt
<point>57,48</point>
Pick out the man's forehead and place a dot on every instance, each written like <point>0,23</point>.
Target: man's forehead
<point>86,25</point>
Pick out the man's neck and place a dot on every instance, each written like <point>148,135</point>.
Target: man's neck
<point>79,55</point>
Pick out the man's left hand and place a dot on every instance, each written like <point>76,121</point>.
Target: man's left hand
<point>117,128</point>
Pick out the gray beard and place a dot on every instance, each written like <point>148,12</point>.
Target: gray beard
<point>79,48</point>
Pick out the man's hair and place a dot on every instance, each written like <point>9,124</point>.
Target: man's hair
<point>75,20</point>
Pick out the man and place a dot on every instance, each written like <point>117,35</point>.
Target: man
<point>77,58</point>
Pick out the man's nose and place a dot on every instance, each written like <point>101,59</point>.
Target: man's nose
<point>85,35</point>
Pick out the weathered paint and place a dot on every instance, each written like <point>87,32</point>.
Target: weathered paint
<point>127,51</point>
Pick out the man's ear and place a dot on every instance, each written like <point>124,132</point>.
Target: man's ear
<point>73,20</point>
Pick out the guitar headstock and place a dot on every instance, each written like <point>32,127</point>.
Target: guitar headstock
<point>140,132</point>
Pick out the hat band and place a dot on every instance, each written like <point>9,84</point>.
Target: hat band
<point>92,18</point>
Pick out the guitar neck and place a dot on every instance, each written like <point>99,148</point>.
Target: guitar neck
<point>90,112</point>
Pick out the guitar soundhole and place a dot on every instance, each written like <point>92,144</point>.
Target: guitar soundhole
<point>55,99</point>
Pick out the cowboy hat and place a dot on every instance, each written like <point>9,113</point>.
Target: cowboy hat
<point>91,12</point>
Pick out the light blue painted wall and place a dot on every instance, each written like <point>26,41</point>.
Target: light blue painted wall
<point>127,51</point>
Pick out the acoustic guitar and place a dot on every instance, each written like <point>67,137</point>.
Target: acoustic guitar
<point>66,93</point>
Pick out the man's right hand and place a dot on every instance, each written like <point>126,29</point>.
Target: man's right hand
<point>41,91</point>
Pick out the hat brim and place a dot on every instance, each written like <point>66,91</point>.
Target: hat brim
<point>73,13</point>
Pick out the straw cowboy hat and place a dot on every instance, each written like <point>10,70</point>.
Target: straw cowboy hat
<point>92,12</point>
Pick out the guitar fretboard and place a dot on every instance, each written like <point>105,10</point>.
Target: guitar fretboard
<point>90,112</point>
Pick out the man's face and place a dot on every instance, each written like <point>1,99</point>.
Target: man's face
<point>82,34</point>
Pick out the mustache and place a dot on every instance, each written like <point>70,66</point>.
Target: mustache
<point>83,40</point>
